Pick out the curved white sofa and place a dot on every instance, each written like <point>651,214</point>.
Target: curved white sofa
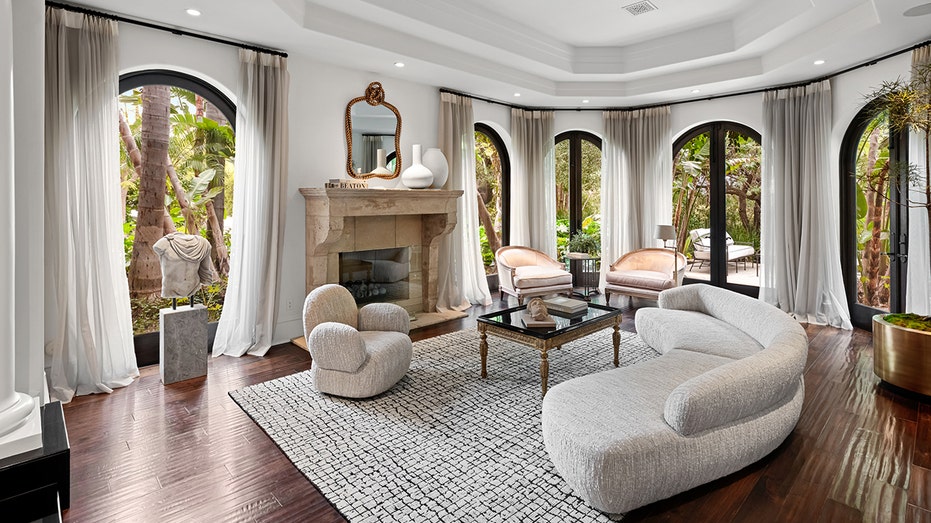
<point>725,392</point>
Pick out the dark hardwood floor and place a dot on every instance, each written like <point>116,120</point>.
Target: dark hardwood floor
<point>186,452</point>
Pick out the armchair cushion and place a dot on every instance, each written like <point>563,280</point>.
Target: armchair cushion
<point>336,346</point>
<point>531,276</point>
<point>652,280</point>
<point>384,317</point>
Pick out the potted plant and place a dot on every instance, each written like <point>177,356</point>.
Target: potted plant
<point>584,243</point>
<point>582,250</point>
<point>902,342</point>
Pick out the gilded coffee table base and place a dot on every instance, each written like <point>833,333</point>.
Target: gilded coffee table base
<point>545,345</point>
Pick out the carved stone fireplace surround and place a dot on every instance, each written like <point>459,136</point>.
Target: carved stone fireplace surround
<point>346,220</point>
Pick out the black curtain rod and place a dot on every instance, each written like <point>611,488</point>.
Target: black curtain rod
<point>172,30</point>
<point>854,67</point>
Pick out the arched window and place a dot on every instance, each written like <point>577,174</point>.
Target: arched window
<point>578,186</point>
<point>716,203</point>
<point>176,163</point>
<point>492,179</point>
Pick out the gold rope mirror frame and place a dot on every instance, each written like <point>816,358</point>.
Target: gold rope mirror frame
<point>374,96</point>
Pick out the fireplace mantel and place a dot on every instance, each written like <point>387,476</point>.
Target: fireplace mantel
<point>345,220</point>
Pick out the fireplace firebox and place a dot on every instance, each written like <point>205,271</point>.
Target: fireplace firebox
<point>378,275</point>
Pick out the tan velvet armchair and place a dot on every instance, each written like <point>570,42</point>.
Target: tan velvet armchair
<point>644,273</point>
<point>524,272</point>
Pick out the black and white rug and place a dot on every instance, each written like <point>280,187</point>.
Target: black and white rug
<point>443,444</point>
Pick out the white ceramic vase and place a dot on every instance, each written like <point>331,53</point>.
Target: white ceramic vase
<point>382,163</point>
<point>417,176</point>
<point>434,160</point>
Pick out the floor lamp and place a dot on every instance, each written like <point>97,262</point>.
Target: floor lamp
<point>666,233</point>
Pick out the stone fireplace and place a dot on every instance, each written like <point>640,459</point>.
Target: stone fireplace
<point>377,275</point>
<point>349,220</point>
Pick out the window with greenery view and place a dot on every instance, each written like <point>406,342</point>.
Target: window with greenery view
<point>176,153</point>
<point>578,187</point>
<point>491,171</point>
<point>873,214</point>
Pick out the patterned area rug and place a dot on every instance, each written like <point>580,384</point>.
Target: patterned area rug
<point>443,444</point>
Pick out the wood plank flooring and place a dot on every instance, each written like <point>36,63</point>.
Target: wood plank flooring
<point>186,452</point>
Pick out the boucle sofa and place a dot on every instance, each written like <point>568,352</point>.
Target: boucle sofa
<point>725,392</point>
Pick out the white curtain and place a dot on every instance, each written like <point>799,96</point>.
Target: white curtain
<point>89,337</point>
<point>636,180</point>
<point>251,306</point>
<point>800,243</point>
<point>918,284</point>
<point>461,280</point>
<point>533,180</point>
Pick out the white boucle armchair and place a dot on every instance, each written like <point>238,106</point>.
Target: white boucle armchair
<point>357,353</point>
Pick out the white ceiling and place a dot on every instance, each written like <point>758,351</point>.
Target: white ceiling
<point>557,53</point>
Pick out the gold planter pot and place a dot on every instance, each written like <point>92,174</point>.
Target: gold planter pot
<point>902,356</point>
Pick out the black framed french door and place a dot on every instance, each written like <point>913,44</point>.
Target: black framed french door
<point>716,201</point>
<point>874,229</point>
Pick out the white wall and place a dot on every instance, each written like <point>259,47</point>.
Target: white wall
<point>319,93</point>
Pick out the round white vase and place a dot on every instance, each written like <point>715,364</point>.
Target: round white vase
<point>417,176</point>
<point>381,161</point>
<point>434,160</point>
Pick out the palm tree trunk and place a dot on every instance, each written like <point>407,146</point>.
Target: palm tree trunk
<point>493,242</point>
<point>190,223</point>
<point>215,235</point>
<point>144,269</point>
<point>132,150</point>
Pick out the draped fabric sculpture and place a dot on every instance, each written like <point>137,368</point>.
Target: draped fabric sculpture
<point>186,264</point>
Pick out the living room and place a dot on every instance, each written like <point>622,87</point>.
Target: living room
<point>123,465</point>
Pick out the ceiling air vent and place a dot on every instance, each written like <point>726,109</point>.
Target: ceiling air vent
<point>639,8</point>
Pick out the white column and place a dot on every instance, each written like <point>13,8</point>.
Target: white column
<point>20,427</point>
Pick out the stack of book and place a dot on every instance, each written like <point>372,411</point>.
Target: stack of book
<point>566,306</point>
<point>532,323</point>
<point>345,183</point>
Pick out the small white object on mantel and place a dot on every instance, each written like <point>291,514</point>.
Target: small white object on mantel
<point>417,176</point>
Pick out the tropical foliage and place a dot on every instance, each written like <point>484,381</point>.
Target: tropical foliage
<point>194,185</point>
<point>873,214</point>
<point>488,182</point>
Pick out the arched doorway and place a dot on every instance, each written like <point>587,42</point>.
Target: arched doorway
<point>492,180</point>
<point>578,186</point>
<point>874,239</point>
<point>716,204</point>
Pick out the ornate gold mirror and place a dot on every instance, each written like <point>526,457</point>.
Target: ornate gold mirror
<point>373,136</point>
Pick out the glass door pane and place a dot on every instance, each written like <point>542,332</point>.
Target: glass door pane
<point>692,204</point>
<point>873,215</point>
<point>742,203</point>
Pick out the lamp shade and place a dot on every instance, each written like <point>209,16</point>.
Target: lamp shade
<point>665,232</point>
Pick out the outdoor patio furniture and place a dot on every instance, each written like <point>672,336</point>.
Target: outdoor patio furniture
<point>701,248</point>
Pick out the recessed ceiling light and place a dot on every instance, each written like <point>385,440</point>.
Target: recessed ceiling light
<point>819,62</point>
<point>399,64</point>
<point>584,101</point>
<point>516,94</point>
<point>192,12</point>
<point>919,10</point>
<point>696,91</point>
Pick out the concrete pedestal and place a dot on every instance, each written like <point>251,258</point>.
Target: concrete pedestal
<point>182,348</point>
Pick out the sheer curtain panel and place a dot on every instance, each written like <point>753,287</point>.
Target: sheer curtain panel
<point>462,278</point>
<point>636,180</point>
<point>89,337</point>
<point>800,241</point>
<point>251,306</point>
<point>533,180</point>
<point>918,284</point>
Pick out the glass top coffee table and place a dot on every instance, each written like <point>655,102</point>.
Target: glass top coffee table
<point>508,324</point>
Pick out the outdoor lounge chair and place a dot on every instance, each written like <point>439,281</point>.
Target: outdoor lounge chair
<point>701,247</point>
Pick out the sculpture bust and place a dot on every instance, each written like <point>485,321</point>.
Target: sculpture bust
<point>536,307</point>
<point>186,264</point>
